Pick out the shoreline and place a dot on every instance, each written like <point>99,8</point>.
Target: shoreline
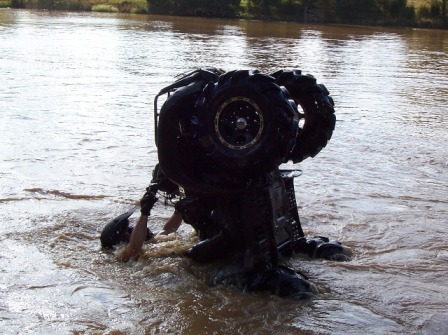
<point>140,7</point>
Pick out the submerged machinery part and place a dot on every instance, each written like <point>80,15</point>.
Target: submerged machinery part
<point>223,135</point>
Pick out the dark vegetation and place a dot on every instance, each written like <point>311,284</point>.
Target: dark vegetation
<point>411,13</point>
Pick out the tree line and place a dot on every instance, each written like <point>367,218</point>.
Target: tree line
<point>370,12</point>
<point>429,13</point>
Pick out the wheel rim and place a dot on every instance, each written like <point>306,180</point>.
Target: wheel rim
<point>239,123</point>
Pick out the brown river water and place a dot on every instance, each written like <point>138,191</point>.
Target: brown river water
<point>77,149</point>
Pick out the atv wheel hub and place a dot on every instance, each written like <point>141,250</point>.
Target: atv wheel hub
<point>239,123</point>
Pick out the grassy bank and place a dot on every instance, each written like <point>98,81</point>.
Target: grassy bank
<point>404,13</point>
<point>122,6</point>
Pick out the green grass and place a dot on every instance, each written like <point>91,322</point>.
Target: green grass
<point>5,3</point>
<point>105,8</point>
<point>110,6</point>
<point>123,6</point>
<point>418,3</point>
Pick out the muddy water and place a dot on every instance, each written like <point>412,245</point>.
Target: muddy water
<point>77,149</point>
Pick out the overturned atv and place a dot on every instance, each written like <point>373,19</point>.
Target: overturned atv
<point>221,137</point>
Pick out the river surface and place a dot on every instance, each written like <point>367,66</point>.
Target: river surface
<point>77,149</point>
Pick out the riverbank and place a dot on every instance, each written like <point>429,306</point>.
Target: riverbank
<point>122,6</point>
<point>412,13</point>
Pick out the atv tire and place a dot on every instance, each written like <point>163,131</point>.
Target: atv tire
<point>318,113</point>
<point>248,121</point>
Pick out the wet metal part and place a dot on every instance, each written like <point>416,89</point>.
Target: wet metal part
<point>239,123</point>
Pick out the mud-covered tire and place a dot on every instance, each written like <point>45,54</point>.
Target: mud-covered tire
<point>248,122</point>
<point>317,115</point>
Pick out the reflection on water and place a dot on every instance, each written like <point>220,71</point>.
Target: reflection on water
<point>76,129</point>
